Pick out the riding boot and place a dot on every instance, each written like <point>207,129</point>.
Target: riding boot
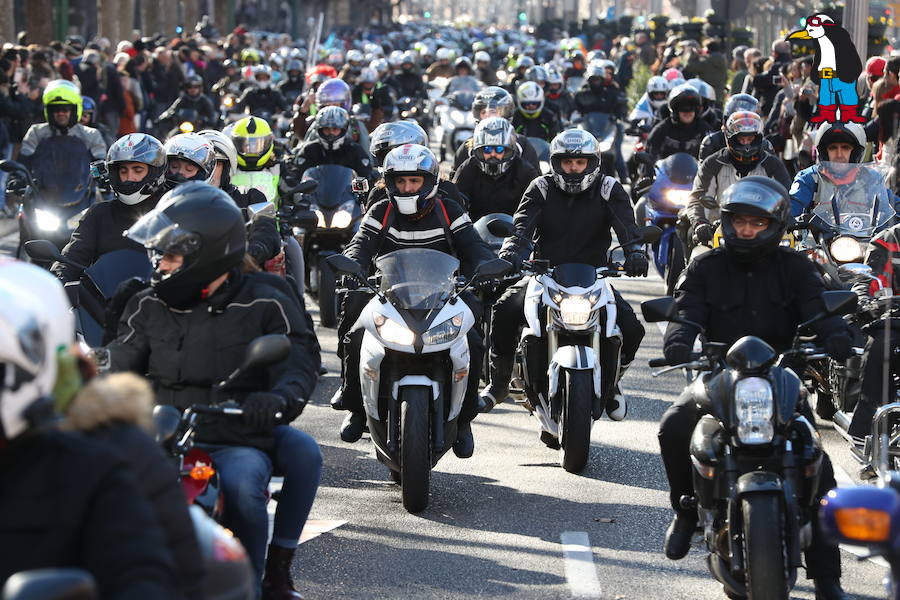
<point>498,389</point>
<point>277,583</point>
<point>848,114</point>
<point>826,113</point>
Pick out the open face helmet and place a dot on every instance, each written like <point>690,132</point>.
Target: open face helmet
<point>411,160</point>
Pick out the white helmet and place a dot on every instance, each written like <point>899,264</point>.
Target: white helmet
<point>443,54</point>
<point>411,159</point>
<point>482,56</point>
<point>36,323</point>
<point>657,85</point>
<point>530,99</point>
<point>223,147</point>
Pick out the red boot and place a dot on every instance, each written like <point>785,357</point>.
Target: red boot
<point>848,114</point>
<point>277,584</point>
<point>825,113</point>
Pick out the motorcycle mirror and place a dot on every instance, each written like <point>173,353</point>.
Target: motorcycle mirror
<point>10,166</point>
<point>493,268</point>
<point>307,186</point>
<point>856,270</point>
<point>44,250</point>
<point>649,234</point>
<point>709,202</point>
<point>839,302</point>
<point>500,228</point>
<point>343,264</point>
<point>659,310</point>
<point>50,584</point>
<point>307,219</point>
<point>266,350</point>
<point>261,209</point>
<point>166,419</point>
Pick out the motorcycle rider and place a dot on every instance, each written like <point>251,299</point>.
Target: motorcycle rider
<point>257,166</point>
<point>683,130</point>
<point>191,157</point>
<point>370,92</point>
<point>569,213</point>
<point>409,81</point>
<point>557,96</point>
<point>495,176</point>
<point>531,119</point>
<point>193,98</point>
<point>651,102</point>
<point>200,297</point>
<point>415,215</point>
<point>719,291</point>
<point>291,87</point>
<point>715,140</point>
<point>62,110</point>
<point>137,174</point>
<point>464,79</point>
<point>333,146</point>
<point>441,67</point>
<point>334,92</point>
<point>601,93</point>
<point>102,523</point>
<point>262,98</point>
<point>484,71</point>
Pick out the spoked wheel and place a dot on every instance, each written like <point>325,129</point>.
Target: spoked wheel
<point>764,548</point>
<point>575,419</point>
<point>415,447</point>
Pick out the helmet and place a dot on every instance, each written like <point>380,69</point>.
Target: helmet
<point>760,197</point>
<point>63,94</point>
<point>574,143</point>
<point>367,75</point>
<point>596,55</point>
<point>355,58</point>
<point>36,324</point>
<point>524,62</point>
<point>262,74</point>
<point>741,102</point>
<point>334,92</point>
<point>442,54</point>
<point>89,106</point>
<point>142,148</point>
<point>229,64</point>
<point>462,61</point>
<point>530,99</point>
<point>684,98</point>
<point>200,223</point>
<point>672,73</point>
<point>380,65</point>
<point>195,149</point>
<point>249,56</point>
<point>494,131</point>
<point>657,91</point>
<point>482,56</point>
<point>478,46</point>
<point>537,74</point>
<point>554,77</point>
<point>411,159</point>
<point>332,117</point>
<point>252,138</point>
<point>706,91</point>
<point>407,58</point>
<point>829,133</point>
<point>495,100</point>
<point>594,71</point>
<point>193,81</point>
<point>740,124</point>
<point>388,136</point>
<point>607,64</point>
<point>224,150</point>
<point>335,59</point>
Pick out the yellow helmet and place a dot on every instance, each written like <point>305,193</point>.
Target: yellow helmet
<point>254,142</point>
<point>62,93</point>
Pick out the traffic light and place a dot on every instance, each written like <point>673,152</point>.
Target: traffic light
<point>523,16</point>
<point>427,14</point>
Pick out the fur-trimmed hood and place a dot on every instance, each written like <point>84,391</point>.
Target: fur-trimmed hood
<point>120,397</point>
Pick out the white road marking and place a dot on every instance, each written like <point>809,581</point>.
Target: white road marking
<point>844,480</point>
<point>579,561</point>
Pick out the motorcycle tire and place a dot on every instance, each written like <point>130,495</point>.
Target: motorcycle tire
<point>326,295</point>
<point>765,554</point>
<point>415,447</point>
<point>676,265</point>
<point>575,419</point>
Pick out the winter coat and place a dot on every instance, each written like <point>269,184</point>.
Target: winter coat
<point>488,194</point>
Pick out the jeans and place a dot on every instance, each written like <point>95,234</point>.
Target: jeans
<point>834,91</point>
<point>245,474</point>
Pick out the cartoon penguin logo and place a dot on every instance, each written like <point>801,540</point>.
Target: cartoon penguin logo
<point>836,67</point>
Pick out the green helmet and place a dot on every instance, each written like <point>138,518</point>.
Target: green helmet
<point>62,92</point>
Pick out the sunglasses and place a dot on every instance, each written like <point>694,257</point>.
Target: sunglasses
<point>817,22</point>
<point>493,149</point>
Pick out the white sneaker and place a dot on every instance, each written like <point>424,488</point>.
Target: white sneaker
<point>617,407</point>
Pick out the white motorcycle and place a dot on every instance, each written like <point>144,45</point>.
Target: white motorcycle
<point>414,363</point>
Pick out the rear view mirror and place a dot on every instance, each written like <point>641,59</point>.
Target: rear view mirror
<point>650,234</point>
<point>11,166</point>
<point>50,584</point>
<point>261,209</point>
<point>855,270</point>
<point>266,350</point>
<point>43,250</point>
<point>839,302</point>
<point>342,264</point>
<point>659,310</point>
<point>166,419</point>
<point>306,186</point>
<point>500,228</point>
<point>493,268</point>
<point>306,219</point>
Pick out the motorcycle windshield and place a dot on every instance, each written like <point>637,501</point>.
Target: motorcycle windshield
<point>186,114</point>
<point>61,166</point>
<point>334,186</point>
<point>857,201</point>
<point>600,125</point>
<point>462,100</point>
<point>417,278</point>
<point>541,148</point>
<point>114,267</point>
<point>575,275</point>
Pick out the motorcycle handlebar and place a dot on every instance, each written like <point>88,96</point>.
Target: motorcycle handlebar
<point>658,362</point>
<point>203,409</point>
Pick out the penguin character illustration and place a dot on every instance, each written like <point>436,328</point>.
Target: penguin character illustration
<point>836,67</point>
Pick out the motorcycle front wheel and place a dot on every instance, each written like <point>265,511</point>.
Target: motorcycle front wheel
<point>764,550</point>
<point>575,419</point>
<point>415,447</point>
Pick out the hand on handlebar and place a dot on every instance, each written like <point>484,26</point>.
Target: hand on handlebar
<point>260,410</point>
<point>704,233</point>
<point>636,264</point>
<point>677,354</point>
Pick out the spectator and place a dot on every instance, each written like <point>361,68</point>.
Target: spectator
<point>710,66</point>
<point>764,82</point>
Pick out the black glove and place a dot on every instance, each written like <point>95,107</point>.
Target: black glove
<point>260,408</point>
<point>349,282</point>
<point>116,305</point>
<point>636,264</point>
<point>512,258</point>
<point>839,346</point>
<point>704,233</point>
<point>677,354</point>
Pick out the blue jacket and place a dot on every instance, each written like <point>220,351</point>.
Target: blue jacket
<point>803,191</point>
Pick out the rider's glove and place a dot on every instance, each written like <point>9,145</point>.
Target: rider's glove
<point>677,354</point>
<point>704,233</point>
<point>260,408</point>
<point>513,258</point>
<point>636,264</point>
<point>839,346</point>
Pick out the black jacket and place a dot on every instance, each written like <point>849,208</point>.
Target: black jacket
<point>526,151</point>
<point>263,239</point>
<point>291,89</point>
<point>446,228</point>
<point>260,101</point>
<point>563,104</point>
<point>67,501</point>
<point>184,353</point>
<point>545,126</point>
<point>206,112</point>
<point>488,194</point>
<point>767,298</point>
<point>715,141</point>
<point>349,154</point>
<point>608,99</point>
<point>411,84</point>
<point>100,231</point>
<point>571,228</point>
<point>668,138</point>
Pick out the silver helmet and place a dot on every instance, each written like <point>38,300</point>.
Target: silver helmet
<point>494,145</point>
<point>575,143</point>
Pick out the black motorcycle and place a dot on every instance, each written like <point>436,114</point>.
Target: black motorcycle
<point>757,460</point>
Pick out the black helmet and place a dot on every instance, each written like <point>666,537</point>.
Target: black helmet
<point>193,81</point>
<point>200,223</point>
<point>740,124</point>
<point>759,197</point>
<point>684,98</point>
<point>741,102</point>
<point>851,133</point>
<point>495,99</point>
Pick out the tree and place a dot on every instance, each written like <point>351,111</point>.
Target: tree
<point>38,21</point>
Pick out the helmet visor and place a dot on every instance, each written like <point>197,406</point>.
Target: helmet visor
<point>156,231</point>
<point>252,146</point>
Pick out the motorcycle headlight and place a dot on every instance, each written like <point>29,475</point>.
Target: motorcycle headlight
<point>344,215</point>
<point>228,101</point>
<point>754,407</point>
<point>46,220</point>
<point>678,197</point>
<point>846,249</point>
<point>393,332</point>
<point>186,127</point>
<point>319,214</point>
<point>575,310</point>
<point>443,332</point>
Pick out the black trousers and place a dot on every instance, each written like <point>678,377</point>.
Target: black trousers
<point>350,345</point>
<point>872,390</point>
<point>823,559</point>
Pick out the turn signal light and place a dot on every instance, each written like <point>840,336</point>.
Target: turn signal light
<point>202,472</point>
<point>863,524</point>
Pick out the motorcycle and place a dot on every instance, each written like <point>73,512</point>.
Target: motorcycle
<point>489,297</point>
<point>339,212</point>
<point>454,121</point>
<point>669,192</point>
<point>575,305</point>
<point>414,364</point>
<point>184,120</point>
<point>868,516</point>
<point>603,126</point>
<point>542,149</point>
<point>97,286</point>
<point>411,109</point>
<point>757,460</point>
<point>50,584</point>
<point>55,193</point>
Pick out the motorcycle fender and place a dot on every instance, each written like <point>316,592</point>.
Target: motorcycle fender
<point>533,294</point>
<point>758,482</point>
<point>370,358</point>
<point>459,356</point>
<point>706,441</point>
<point>410,380</point>
<point>578,358</point>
